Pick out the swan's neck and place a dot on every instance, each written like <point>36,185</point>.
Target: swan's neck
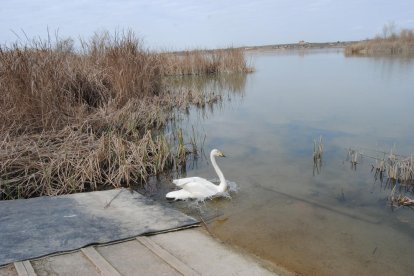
<point>223,184</point>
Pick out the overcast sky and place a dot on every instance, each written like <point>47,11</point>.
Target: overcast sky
<point>207,24</point>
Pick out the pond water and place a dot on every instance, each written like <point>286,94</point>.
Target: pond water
<point>332,222</point>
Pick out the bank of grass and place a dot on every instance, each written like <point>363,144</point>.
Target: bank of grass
<point>93,118</point>
<point>395,44</point>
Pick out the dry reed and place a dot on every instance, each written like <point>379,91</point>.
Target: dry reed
<point>397,171</point>
<point>91,119</point>
<point>199,62</point>
<point>394,167</point>
<point>399,200</point>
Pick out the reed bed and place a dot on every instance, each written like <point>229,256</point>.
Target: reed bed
<point>93,118</point>
<point>395,44</point>
<point>202,62</point>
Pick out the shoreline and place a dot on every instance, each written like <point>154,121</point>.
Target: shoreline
<point>282,46</point>
<point>299,46</point>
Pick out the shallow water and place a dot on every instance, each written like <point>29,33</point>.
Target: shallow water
<point>336,222</point>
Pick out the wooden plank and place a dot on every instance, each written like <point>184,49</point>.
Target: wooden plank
<point>101,264</point>
<point>24,268</point>
<point>170,259</point>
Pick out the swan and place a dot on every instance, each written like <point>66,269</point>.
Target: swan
<point>197,187</point>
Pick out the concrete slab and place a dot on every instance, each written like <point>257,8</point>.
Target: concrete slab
<point>36,227</point>
<point>208,256</point>
<point>186,252</point>
<point>131,257</point>
<point>67,264</point>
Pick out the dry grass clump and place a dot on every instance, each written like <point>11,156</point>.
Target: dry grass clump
<point>395,44</point>
<point>396,168</point>
<point>68,161</point>
<point>89,119</point>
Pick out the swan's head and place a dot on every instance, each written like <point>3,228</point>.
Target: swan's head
<point>217,152</point>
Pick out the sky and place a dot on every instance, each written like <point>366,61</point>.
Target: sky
<point>178,25</point>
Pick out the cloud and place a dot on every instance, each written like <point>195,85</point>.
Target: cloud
<point>185,23</point>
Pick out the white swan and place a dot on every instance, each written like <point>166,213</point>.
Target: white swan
<point>197,187</point>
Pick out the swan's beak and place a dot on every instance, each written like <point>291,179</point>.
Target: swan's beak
<point>222,154</point>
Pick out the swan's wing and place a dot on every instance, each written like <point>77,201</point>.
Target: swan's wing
<point>182,181</point>
<point>201,189</point>
<point>180,194</point>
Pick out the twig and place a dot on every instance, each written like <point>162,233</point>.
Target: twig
<point>109,203</point>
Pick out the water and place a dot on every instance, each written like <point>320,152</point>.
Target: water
<point>336,222</point>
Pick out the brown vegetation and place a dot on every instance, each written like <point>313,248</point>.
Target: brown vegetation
<point>200,62</point>
<point>72,121</point>
<point>397,171</point>
<point>389,44</point>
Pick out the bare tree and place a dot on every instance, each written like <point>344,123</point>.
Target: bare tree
<point>389,29</point>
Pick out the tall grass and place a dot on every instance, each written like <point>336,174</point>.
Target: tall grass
<point>395,44</point>
<point>91,118</point>
<point>45,88</point>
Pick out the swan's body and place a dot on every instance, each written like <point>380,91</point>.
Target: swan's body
<point>197,187</point>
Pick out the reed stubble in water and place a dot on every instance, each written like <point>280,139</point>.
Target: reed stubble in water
<point>397,171</point>
<point>93,118</point>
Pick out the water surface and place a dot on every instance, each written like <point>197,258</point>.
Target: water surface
<point>336,222</point>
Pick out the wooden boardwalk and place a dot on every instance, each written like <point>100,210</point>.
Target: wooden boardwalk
<point>185,252</point>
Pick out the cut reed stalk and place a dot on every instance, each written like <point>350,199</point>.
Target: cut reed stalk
<point>317,155</point>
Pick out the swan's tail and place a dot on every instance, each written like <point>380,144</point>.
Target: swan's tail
<point>180,194</point>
